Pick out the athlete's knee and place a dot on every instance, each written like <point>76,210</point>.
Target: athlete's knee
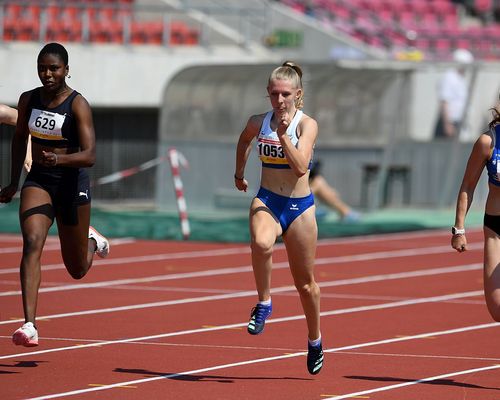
<point>492,301</point>
<point>262,245</point>
<point>33,242</point>
<point>76,268</point>
<point>308,289</point>
<point>496,316</point>
<point>494,310</point>
<point>77,273</point>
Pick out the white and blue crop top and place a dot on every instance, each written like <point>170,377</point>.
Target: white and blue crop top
<point>493,163</point>
<point>271,152</point>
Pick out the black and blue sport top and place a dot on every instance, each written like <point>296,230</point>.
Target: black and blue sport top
<point>54,127</point>
<point>493,163</point>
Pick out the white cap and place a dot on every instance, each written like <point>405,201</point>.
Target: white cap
<point>463,56</point>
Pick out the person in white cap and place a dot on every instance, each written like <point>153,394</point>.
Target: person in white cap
<point>452,92</point>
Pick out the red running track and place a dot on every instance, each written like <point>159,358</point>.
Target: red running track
<point>403,317</point>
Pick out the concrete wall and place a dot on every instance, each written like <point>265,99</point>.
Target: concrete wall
<point>111,75</point>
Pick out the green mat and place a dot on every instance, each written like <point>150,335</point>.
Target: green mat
<point>219,226</point>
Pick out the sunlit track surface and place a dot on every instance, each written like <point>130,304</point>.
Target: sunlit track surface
<point>403,317</point>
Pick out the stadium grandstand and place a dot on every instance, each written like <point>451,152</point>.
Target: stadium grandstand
<point>185,74</point>
<point>432,27</point>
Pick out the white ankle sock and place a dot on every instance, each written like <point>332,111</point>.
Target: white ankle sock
<point>315,342</point>
<point>265,302</point>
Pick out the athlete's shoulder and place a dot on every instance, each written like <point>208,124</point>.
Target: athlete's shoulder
<point>485,143</point>
<point>255,121</point>
<point>79,102</point>
<point>308,122</point>
<point>27,95</point>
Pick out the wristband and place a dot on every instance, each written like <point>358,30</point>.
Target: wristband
<point>457,231</point>
<point>237,178</point>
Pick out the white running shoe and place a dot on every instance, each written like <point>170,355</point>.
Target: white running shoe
<point>26,335</point>
<point>102,249</point>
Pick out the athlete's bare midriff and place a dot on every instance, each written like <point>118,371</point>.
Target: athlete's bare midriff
<point>285,183</point>
<point>493,200</point>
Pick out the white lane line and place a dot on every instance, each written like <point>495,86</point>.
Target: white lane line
<point>248,293</point>
<point>395,236</point>
<point>432,299</point>
<point>233,270</point>
<point>407,355</point>
<point>149,258</point>
<point>244,250</point>
<point>423,380</point>
<point>282,357</point>
<point>55,245</point>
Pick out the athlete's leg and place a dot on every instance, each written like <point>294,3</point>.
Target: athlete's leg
<point>264,229</point>
<point>76,247</point>
<point>328,195</point>
<point>492,272</point>
<point>36,216</point>
<point>300,240</point>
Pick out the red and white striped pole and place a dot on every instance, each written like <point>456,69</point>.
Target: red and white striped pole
<point>116,176</point>
<point>175,158</point>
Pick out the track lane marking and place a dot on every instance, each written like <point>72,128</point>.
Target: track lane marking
<point>54,245</point>
<point>433,299</point>
<point>233,270</point>
<point>286,356</point>
<point>248,293</point>
<point>423,380</point>
<point>245,250</point>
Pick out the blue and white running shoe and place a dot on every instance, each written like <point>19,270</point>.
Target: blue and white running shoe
<point>258,318</point>
<point>314,358</point>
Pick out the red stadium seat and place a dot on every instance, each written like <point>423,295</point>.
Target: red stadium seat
<point>483,6</point>
<point>428,20</point>
<point>13,11</point>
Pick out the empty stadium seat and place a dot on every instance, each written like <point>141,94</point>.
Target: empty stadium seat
<point>430,25</point>
<point>104,20</point>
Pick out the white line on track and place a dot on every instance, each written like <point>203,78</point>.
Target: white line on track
<point>243,250</point>
<point>298,354</point>
<point>433,299</point>
<point>233,270</point>
<point>444,357</point>
<point>247,293</point>
<point>149,258</point>
<point>55,245</point>
<point>423,380</point>
<point>350,239</point>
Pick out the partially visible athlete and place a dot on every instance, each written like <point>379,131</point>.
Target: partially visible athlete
<point>485,153</point>
<point>59,120</point>
<point>284,205</point>
<point>8,116</point>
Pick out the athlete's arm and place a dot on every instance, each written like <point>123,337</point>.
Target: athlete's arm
<point>243,150</point>
<point>18,149</point>
<point>8,115</point>
<point>86,136</point>
<point>299,157</point>
<point>477,160</point>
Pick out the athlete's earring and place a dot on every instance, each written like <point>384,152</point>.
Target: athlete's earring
<point>68,76</point>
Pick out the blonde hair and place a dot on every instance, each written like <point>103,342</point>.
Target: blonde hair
<point>292,72</point>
